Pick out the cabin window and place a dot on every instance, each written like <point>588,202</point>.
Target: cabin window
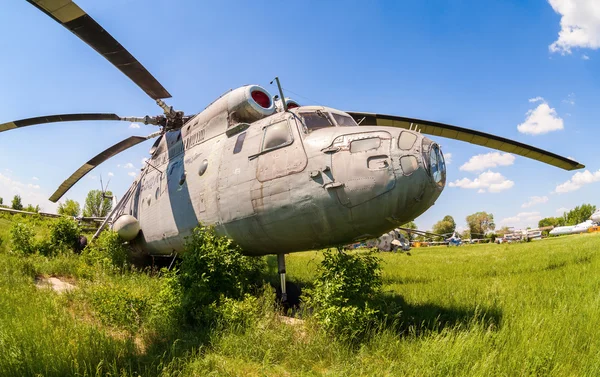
<point>239,143</point>
<point>406,140</point>
<point>409,164</point>
<point>316,120</point>
<point>276,135</point>
<point>344,120</point>
<point>363,145</point>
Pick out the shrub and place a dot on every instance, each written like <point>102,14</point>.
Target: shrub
<point>22,238</point>
<point>212,269</point>
<point>64,234</point>
<point>45,248</point>
<point>239,315</point>
<point>343,293</point>
<point>108,251</point>
<point>120,307</point>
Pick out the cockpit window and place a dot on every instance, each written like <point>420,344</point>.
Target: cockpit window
<point>316,120</point>
<point>437,165</point>
<point>343,120</point>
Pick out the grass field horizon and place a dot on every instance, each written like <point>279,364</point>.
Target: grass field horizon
<point>475,310</point>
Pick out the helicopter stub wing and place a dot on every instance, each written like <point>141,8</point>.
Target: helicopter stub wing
<point>469,136</point>
<point>69,15</point>
<point>97,160</point>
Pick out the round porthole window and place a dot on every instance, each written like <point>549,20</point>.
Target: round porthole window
<point>203,167</point>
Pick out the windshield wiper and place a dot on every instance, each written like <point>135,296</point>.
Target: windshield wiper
<point>320,113</point>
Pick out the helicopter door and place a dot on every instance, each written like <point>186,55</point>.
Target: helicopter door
<point>279,154</point>
<point>361,167</point>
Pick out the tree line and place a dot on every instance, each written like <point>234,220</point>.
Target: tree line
<point>575,216</point>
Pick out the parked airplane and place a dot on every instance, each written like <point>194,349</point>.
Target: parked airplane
<point>596,217</point>
<point>573,229</point>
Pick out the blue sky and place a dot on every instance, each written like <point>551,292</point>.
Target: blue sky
<point>475,64</point>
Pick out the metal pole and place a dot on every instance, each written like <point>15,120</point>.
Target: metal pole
<point>280,93</point>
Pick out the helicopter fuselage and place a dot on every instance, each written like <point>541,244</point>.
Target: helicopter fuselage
<point>302,179</point>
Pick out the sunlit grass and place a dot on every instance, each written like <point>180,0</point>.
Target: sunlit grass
<point>477,310</point>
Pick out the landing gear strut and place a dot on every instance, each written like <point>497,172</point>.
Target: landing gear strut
<point>281,268</point>
<point>288,293</point>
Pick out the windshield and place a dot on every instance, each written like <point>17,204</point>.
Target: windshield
<point>316,120</point>
<point>344,120</point>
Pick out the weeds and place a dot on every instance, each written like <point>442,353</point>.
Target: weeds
<point>481,310</point>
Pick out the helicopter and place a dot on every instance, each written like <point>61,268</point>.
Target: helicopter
<point>272,175</point>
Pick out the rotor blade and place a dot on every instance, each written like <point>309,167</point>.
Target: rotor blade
<point>76,118</point>
<point>470,136</point>
<point>14,211</point>
<point>97,160</point>
<point>69,15</point>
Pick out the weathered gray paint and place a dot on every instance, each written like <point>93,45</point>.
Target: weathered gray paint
<point>311,193</point>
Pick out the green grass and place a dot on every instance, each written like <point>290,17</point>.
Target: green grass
<point>478,310</point>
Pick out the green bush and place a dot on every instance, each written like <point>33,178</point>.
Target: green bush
<point>118,307</point>
<point>22,238</point>
<point>108,251</point>
<point>343,293</point>
<point>239,315</point>
<point>213,269</point>
<point>45,248</point>
<point>64,234</point>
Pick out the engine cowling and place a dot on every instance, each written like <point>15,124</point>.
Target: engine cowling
<point>250,103</point>
<point>291,104</point>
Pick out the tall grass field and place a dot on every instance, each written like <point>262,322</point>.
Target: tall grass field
<point>529,309</point>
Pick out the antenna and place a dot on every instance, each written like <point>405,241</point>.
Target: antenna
<point>280,92</point>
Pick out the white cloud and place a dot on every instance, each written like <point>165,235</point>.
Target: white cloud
<point>110,174</point>
<point>579,25</point>
<point>585,57</point>
<point>30,193</point>
<point>92,177</point>
<point>522,220</point>
<point>577,180</point>
<point>35,178</point>
<point>128,165</point>
<point>488,181</point>
<point>536,99</point>
<point>533,200</point>
<point>448,158</point>
<point>134,125</point>
<point>489,160</point>
<point>8,170</point>
<point>541,120</point>
<point>132,174</point>
<point>561,210</point>
<point>570,99</point>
